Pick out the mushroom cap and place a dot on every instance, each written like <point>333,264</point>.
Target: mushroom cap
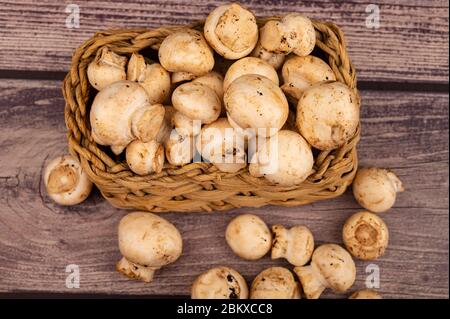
<point>219,143</point>
<point>275,283</point>
<point>248,236</point>
<point>328,115</point>
<point>179,148</point>
<point>285,159</point>
<point>254,101</point>
<point>293,33</point>
<point>335,265</point>
<point>185,126</point>
<point>231,30</point>
<point>181,77</point>
<point>197,101</point>
<point>145,158</point>
<point>219,283</point>
<point>295,244</point>
<point>365,235</point>
<point>365,294</point>
<point>149,240</point>
<point>153,78</point>
<point>66,182</point>
<point>116,107</point>
<point>299,73</point>
<point>376,189</point>
<point>107,68</point>
<point>276,60</point>
<point>249,65</point>
<point>167,125</point>
<point>186,51</point>
<point>214,80</point>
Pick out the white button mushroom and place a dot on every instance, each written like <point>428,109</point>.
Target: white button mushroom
<point>185,126</point>
<point>365,235</point>
<point>376,189</point>
<point>145,158</point>
<point>178,77</point>
<point>254,101</point>
<point>294,33</point>
<point>197,101</point>
<point>285,159</point>
<point>147,242</point>
<point>331,267</point>
<point>299,73</point>
<point>219,144</point>
<point>276,60</point>
<point>214,80</point>
<point>365,294</point>
<point>179,149</point>
<point>248,236</point>
<point>121,113</point>
<point>231,30</point>
<point>219,283</point>
<point>328,115</point>
<point>153,78</point>
<point>186,51</point>
<point>295,244</point>
<point>66,182</point>
<point>275,283</point>
<point>249,65</point>
<point>107,68</point>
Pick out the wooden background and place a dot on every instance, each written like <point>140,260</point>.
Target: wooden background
<point>403,76</point>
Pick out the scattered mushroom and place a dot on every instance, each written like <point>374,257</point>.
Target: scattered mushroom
<point>331,267</point>
<point>299,73</point>
<point>197,101</point>
<point>179,149</point>
<point>328,115</point>
<point>275,283</point>
<point>107,68</point>
<point>295,244</point>
<point>376,189</point>
<point>153,78</point>
<point>365,235</point>
<point>248,236</point>
<point>147,242</point>
<point>276,60</point>
<point>249,65</point>
<point>293,33</point>
<point>254,101</point>
<point>219,144</point>
<point>285,159</point>
<point>231,30</point>
<point>219,283</point>
<point>365,294</point>
<point>145,158</point>
<point>121,113</point>
<point>66,182</point>
<point>186,51</point>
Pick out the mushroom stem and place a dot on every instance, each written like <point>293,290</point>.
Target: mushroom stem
<point>316,282</point>
<point>146,122</point>
<point>135,271</point>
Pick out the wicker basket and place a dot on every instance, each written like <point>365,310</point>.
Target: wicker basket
<point>197,187</point>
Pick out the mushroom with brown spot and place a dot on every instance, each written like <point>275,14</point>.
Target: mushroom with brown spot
<point>147,242</point>
<point>248,236</point>
<point>276,60</point>
<point>275,283</point>
<point>145,157</point>
<point>219,283</point>
<point>65,181</point>
<point>296,244</point>
<point>107,68</point>
<point>231,30</point>
<point>331,267</point>
<point>376,189</point>
<point>365,235</point>
<point>179,148</point>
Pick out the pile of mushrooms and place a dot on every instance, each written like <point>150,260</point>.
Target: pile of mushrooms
<point>272,105</point>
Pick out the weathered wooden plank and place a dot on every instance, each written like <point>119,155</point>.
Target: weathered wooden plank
<point>38,239</point>
<point>411,43</point>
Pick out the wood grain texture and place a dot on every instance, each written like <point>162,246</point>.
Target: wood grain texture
<point>410,45</point>
<point>38,239</point>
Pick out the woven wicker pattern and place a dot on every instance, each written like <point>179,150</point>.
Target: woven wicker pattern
<point>196,187</point>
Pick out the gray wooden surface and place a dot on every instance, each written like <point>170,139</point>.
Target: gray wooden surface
<point>404,127</point>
